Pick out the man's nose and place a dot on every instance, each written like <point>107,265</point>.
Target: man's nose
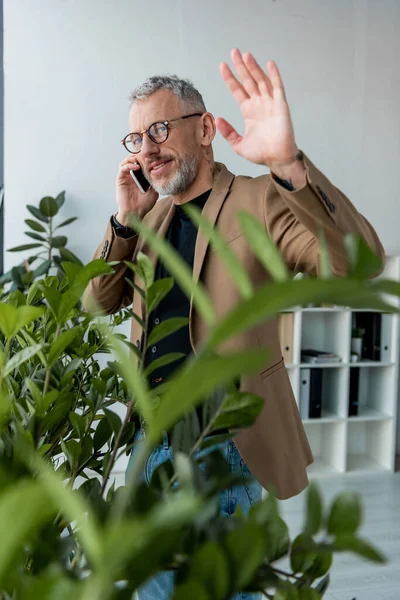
<point>149,148</point>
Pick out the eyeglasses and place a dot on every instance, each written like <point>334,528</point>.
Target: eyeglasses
<point>158,132</point>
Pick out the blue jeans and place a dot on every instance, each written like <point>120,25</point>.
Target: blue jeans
<point>161,586</point>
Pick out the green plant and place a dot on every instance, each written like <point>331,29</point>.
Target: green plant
<point>73,534</point>
<point>49,247</point>
<point>357,332</point>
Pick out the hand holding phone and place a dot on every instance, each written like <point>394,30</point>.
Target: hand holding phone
<point>134,193</point>
<point>140,180</point>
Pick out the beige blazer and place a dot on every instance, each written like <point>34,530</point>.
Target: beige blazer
<point>275,448</point>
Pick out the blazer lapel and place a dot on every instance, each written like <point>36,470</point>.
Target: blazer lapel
<point>211,211</point>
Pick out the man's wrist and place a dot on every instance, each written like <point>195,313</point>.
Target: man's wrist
<point>120,229</point>
<point>291,175</point>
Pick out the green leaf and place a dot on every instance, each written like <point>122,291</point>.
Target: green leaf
<point>48,206</point>
<point>71,270</point>
<point>301,555</point>
<point>70,504</point>
<point>59,241</point>
<point>73,295</point>
<point>72,450</point>
<point>325,266</point>
<point>79,423</point>
<point>323,585</point>
<point>162,361</point>
<point>24,247</point>
<point>321,565</point>
<point>308,594</point>
<point>191,589</point>
<point>21,357</point>
<point>234,267</point>
<point>43,269</point>
<point>60,199</point>
<point>66,222</point>
<point>35,236</point>
<point>62,342</point>
<point>210,566</point>
<point>363,262</point>
<point>17,276</point>
<point>53,297</point>
<point>287,592</point>
<point>271,298</point>
<point>102,434</point>
<point>358,546</point>
<point>245,547</point>
<point>69,256</point>
<point>313,510</point>
<point>8,319</point>
<point>345,514</point>
<point>146,269</point>
<point>36,213</point>
<point>239,410</point>
<point>25,517</point>
<point>49,587</point>
<point>191,385</point>
<point>35,225</point>
<point>263,246</point>
<point>179,270</point>
<point>113,419</point>
<point>165,328</point>
<point>157,292</point>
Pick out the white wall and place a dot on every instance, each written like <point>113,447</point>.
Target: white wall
<point>70,65</point>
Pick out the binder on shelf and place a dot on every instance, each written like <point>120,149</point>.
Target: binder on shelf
<point>371,322</point>
<point>310,404</point>
<point>354,391</point>
<point>318,357</point>
<point>285,329</point>
<point>304,403</point>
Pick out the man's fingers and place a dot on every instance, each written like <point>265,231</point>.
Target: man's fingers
<point>258,74</point>
<point>228,132</point>
<point>249,84</point>
<point>236,88</point>
<point>275,78</point>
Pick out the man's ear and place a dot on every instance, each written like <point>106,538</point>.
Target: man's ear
<point>209,129</point>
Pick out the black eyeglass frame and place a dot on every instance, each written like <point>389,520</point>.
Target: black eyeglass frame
<point>166,123</point>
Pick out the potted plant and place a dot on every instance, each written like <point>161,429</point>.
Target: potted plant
<point>66,531</point>
<point>357,336</point>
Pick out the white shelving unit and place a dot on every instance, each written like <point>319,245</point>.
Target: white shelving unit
<point>343,443</point>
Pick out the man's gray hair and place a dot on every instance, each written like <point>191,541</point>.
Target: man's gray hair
<point>182,88</point>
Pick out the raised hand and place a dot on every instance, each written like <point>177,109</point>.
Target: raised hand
<point>268,137</point>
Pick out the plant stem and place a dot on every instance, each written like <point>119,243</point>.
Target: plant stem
<point>48,368</point>
<point>285,574</point>
<point>50,237</point>
<point>117,440</point>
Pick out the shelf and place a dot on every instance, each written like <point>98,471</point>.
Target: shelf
<point>371,363</point>
<point>321,467</point>
<point>359,463</point>
<point>368,414</point>
<point>326,417</point>
<point>323,309</point>
<point>336,365</point>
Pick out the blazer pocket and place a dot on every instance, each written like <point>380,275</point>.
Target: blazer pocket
<point>228,238</point>
<point>279,365</point>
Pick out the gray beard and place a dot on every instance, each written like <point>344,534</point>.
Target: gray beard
<point>183,178</point>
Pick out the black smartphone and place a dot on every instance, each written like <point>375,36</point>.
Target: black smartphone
<point>140,180</point>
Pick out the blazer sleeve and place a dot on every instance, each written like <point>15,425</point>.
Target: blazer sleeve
<point>295,219</point>
<point>112,292</point>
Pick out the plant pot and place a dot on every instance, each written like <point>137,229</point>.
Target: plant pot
<point>356,346</point>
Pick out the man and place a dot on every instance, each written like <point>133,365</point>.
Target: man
<point>171,140</point>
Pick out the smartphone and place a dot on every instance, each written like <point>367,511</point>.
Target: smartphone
<point>140,180</point>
